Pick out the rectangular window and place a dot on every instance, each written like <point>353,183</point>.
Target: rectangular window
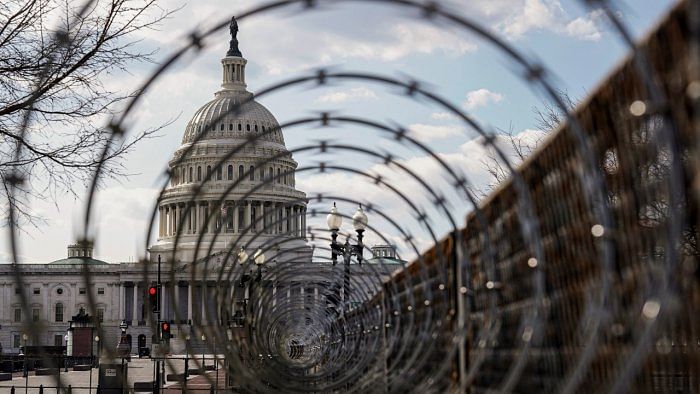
<point>100,290</point>
<point>15,341</point>
<point>82,290</point>
<point>37,290</point>
<point>58,340</point>
<point>59,313</point>
<point>18,315</point>
<point>18,290</point>
<point>35,314</point>
<point>100,315</point>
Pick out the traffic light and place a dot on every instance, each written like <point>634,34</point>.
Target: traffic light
<point>165,330</point>
<point>153,298</point>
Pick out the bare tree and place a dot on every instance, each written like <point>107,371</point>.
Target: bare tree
<point>55,56</point>
<point>548,118</point>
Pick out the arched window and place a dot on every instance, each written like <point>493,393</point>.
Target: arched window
<point>222,127</point>
<point>190,174</point>
<point>230,172</point>
<point>251,176</point>
<point>240,172</point>
<point>208,172</point>
<point>199,173</point>
<point>263,129</point>
<point>240,127</point>
<point>247,127</point>
<point>256,127</point>
<point>218,173</point>
<point>285,176</point>
<point>270,174</point>
<point>279,179</point>
<point>59,313</point>
<point>230,127</point>
<point>262,174</point>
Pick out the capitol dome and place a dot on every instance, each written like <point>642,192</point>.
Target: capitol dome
<point>222,119</point>
<point>228,191</point>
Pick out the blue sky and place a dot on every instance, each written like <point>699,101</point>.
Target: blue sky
<point>573,42</point>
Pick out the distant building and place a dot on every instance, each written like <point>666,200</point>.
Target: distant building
<point>263,207</point>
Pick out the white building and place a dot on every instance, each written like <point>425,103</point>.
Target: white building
<point>262,209</point>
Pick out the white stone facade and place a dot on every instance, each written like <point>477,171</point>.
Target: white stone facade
<point>250,198</point>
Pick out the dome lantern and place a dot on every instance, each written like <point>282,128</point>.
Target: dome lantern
<point>234,64</point>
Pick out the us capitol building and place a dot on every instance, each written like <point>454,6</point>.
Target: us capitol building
<point>56,291</point>
<point>196,229</point>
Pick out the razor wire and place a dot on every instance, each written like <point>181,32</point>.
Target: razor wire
<point>403,334</point>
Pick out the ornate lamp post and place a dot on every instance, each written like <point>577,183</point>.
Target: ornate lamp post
<point>259,259</point>
<point>65,354</point>
<point>359,222</point>
<point>204,338</point>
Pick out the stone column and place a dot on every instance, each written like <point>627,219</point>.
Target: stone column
<point>212,218</point>
<point>189,301</point>
<point>170,220</point>
<point>2,302</point>
<point>303,222</point>
<point>188,218</point>
<point>203,303</point>
<point>300,226</point>
<point>284,219</point>
<point>235,218</point>
<point>176,312</point>
<point>246,219</point>
<point>263,217</point>
<point>134,314</point>
<point>122,302</point>
<point>45,296</point>
<point>295,221</point>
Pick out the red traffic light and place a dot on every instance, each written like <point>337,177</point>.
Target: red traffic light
<point>152,290</point>
<point>166,326</point>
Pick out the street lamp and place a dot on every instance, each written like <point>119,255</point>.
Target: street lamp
<point>65,355</point>
<point>97,339</point>
<point>242,256</point>
<point>259,259</point>
<point>204,338</point>
<point>359,222</point>
<point>23,352</point>
<point>97,342</point>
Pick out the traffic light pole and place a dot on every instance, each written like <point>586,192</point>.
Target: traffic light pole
<point>158,335</point>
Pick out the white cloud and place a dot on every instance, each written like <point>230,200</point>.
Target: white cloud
<point>585,28</point>
<point>481,97</point>
<point>352,94</point>
<point>468,160</point>
<point>548,15</point>
<point>426,132</point>
<point>443,116</point>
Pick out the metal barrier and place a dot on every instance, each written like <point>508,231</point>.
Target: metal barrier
<point>579,274</point>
